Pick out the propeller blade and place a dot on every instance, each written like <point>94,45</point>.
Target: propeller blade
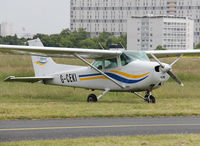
<point>176,60</point>
<point>175,78</point>
<point>157,60</point>
<point>168,68</point>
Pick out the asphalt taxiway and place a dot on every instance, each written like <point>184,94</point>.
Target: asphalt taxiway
<point>15,130</point>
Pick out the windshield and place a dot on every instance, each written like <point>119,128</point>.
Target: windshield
<point>136,55</point>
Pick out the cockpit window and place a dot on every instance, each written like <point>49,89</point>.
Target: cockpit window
<point>98,64</point>
<point>110,63</point>
<point>125,59</point>
<point>107,63</point>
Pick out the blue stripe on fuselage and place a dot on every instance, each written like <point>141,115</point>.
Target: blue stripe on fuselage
<point>89,75</point>
<point>124,80</point>
<point>116,77</point>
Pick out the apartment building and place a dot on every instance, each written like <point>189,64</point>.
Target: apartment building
<point>148,32</point>
<point>97,16</point>
<point>6,29</point>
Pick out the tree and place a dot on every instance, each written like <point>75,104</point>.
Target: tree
<point>65,32</point>
<point>96,42</point>
<point>67,38</point>
<point>82,34</point>
<point>65,42</point>
<point>55,39</point>
<point>39,35</point>
<point>197,46</point>
<point>88,43</point>
<point>123,40</point>
<point>160,48</point>
<point>105,39</point>
<point>104,36</point>
<point>1,40</point>
<point>46,41</point>
<point>12,40</point>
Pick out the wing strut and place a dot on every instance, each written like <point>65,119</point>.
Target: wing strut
<point>82,59</point>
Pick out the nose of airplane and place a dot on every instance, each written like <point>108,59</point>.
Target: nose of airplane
<point>166,68</point>
<point>165,71</point>
<point>160,75</point>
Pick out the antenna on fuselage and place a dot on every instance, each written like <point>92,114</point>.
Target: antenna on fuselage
<point>123,46</point>
<point>101,46</point>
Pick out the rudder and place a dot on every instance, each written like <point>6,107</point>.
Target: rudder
<point>42,65</point>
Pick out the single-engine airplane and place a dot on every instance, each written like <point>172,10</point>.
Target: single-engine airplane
<point>112,70</point>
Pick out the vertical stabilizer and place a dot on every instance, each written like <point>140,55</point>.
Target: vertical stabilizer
<point>42,65</point>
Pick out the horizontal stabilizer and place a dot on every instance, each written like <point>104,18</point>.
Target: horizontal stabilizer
<point>27,79</point>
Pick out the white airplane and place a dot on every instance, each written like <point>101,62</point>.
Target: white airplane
<point>112,70</point>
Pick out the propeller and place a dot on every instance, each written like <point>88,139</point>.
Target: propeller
<point>167,68</point>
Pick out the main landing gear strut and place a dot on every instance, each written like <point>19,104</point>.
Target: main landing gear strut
<point>149,98</point>
<point>94,98</point>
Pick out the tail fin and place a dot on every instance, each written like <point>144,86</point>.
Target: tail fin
<point>42,65</point>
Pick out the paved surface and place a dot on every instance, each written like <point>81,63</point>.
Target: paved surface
<point>16,130</point>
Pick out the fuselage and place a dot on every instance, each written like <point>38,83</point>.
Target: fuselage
<point>135,76</point>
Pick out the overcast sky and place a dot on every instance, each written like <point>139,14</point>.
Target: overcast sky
<point>36,16</point>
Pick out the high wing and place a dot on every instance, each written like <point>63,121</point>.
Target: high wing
<point>59,52</point>
<point>172,53</point>
<point>86,53</point>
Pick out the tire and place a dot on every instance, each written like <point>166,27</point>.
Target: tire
<point>151,99</point>
<point>92,98</point>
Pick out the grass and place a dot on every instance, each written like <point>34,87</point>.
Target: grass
<point>37,101</point>
<point>155,140</point>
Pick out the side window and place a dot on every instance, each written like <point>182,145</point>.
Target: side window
<point>98,64</point>
<point>110,63</point>
<point>125,60</point>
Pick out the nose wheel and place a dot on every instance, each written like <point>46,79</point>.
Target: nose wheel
<point>149,98</point>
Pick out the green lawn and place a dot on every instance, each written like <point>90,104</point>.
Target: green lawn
<point>158,140</point>
<point>37,101</point>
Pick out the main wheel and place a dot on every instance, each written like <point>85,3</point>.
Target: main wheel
<point>150,99</point>
<point>92,98</point>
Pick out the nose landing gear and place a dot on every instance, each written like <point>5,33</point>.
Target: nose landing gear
<point>149,98</point>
